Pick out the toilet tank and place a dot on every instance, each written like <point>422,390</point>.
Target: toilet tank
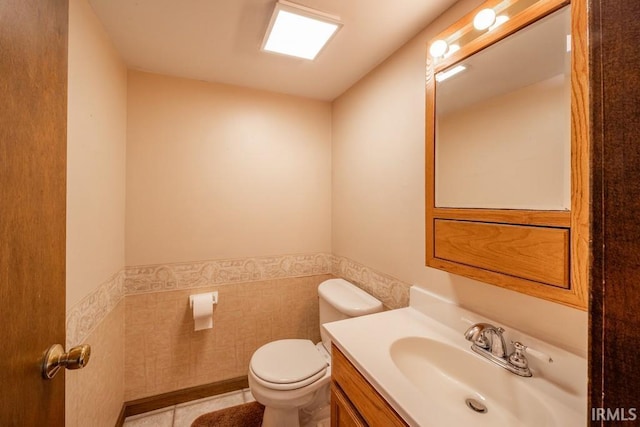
<point>340,300</point>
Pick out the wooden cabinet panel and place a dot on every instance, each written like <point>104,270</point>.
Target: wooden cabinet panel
<point>369,404</point>
<point>343,414</point>
<point>540,254</point>
<point>506,216</point>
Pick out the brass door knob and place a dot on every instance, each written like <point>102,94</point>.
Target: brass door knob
<point>55,358</point>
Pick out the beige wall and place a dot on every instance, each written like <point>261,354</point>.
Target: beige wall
<point>95,155</point>
<point>223,184</point>
<point>96,149</point>
<point>216,171</point>
<point>378,194</point>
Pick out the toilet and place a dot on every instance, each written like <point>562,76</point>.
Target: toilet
<point>291,377</point>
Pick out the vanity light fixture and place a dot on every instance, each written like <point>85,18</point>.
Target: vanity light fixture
<point>444,75</point>
<point>452,49</point>
<point>484,19</point>
<point>299,31</point>
<point>438,48</point>
<point>500,19</point>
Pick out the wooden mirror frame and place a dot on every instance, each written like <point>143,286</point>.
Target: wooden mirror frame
<point>504,232</point>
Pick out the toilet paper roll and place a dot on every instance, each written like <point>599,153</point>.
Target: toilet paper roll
<point>202,311</point>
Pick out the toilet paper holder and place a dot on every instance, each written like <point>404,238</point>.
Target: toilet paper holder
<point>202,306</point>
<point>214,298</point>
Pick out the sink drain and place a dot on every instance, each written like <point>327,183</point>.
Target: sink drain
<point>476,405</point>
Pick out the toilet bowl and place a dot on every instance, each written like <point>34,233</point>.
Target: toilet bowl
<point>286,376</point>
<point>291,377</point>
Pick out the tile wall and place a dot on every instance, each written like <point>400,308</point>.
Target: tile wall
<point>393,293</point>
<point>164,353</point>
<point>94,395</point>
<point>260,300</point>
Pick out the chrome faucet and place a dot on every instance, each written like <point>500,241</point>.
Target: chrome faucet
<point>487,340</point>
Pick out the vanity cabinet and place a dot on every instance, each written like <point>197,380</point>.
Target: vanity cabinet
<point>354,402</point>
<point>343,413</point>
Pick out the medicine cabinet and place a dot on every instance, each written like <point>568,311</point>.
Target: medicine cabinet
<point>507,180</point>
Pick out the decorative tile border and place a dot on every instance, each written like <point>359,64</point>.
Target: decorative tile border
<point>168,277</point>
<point>392,292</point>
<point>86,315</point>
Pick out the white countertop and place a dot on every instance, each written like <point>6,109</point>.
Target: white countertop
<point>367,340</point>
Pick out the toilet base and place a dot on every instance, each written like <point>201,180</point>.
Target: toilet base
<point>301,408</point>
<point>319,417</point>
<point>275,417</point>
<point>280,417</point>
<point>316,408</point>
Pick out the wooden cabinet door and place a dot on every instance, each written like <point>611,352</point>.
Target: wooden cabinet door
<point>372,408</point>
<point>343,414</point>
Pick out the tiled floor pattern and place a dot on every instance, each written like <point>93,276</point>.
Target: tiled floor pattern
<point>183,415</point>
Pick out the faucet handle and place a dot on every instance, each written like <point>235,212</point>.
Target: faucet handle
<point>517,358</point>
<point>520,349</point>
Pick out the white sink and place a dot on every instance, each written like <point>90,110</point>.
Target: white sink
<point>418,359</point>
<point>452,377</point>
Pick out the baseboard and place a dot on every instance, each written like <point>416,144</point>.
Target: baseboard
<point>121,417</point>
<point>151,403</point>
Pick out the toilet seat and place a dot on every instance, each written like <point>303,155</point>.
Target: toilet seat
<point>288,364</point>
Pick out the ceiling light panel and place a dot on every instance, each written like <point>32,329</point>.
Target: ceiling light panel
<point>299,31</point>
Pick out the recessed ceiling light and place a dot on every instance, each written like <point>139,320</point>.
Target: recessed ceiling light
<point>299,31</point>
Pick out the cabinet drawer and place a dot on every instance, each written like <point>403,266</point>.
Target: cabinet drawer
<point>371,406</point>
<point>539,254</point>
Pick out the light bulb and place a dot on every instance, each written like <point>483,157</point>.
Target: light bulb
<point>484,19</point>
<point>438,48</point>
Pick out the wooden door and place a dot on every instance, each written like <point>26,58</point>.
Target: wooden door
<point>614,360</point>
<point>33,117</point>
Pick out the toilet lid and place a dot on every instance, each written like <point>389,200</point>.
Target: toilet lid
<point>287,361</point>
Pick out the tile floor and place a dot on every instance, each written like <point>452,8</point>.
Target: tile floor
<point>182,415</point>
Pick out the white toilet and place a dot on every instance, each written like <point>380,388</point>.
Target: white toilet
<point>291,377</point>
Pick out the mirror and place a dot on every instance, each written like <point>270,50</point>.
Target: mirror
<point>503,135</point>
<point>507,149</point>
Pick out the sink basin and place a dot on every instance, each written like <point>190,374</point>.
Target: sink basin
<point>419,361</point>
<point>465,388</point>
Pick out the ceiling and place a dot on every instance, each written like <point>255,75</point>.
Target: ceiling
<point>219,40</point>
